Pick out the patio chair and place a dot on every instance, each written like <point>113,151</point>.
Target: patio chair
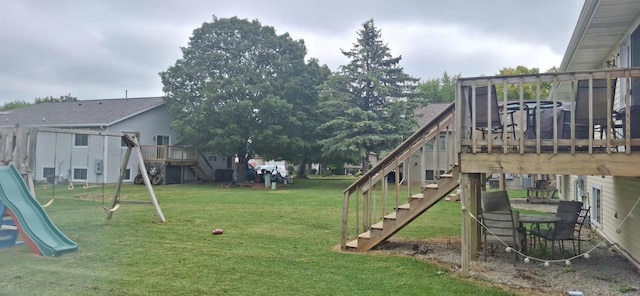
<point>502,228</point>
<point>600,118</point>
<point>583,220</point>
<point>484,104</point>
<point>495,201</point>
<point>563,230</point>
<point>501,224</point>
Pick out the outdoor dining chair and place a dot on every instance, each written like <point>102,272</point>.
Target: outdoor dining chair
<point>583,220</point>
<point>485,105</point>
<point>501,225</point>
<point>492,201</point>
<point>600,109</point>
<point>502,228</point>
<point>563,230</point>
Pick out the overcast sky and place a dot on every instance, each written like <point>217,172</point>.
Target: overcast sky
<point>99,49</point>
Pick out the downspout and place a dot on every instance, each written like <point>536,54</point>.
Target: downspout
<point>105,153</point>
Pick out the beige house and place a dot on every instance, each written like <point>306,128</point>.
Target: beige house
<point>607,36</point>
<point>587,132</point>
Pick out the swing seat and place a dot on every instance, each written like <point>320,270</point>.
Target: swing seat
<point>115,208</point>
<point>48,203</point>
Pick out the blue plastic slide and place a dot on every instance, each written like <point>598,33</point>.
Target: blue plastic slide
<point>33,222</point>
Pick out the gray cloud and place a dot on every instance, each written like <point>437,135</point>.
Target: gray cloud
<point>99,49</point>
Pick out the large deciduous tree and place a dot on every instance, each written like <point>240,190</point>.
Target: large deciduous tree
<point>529,90</point>
<point>368,103</point>
<point>240,83</point>
<point>438,90</point>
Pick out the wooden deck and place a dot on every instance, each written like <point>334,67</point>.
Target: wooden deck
<point>606,142</point>
<point>619,164</point>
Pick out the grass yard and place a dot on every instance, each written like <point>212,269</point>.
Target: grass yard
<point>281,242</point>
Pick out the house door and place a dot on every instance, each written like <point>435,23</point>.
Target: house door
<point>162,142</point>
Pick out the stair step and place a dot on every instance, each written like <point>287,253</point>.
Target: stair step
<point>365,235</point>
<point>446,176</point>
<point>417,196</point>
<point>377,225</point>
<point>431,186</point>
<point>353,244</point>
<point>404,207</point>
<point>391,216</point>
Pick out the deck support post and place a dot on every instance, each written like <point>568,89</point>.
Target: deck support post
<point>471,186</point>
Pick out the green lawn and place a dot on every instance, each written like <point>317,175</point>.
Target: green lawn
<point>280,242</point>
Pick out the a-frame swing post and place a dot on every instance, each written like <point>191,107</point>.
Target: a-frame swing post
<point>132,143</point>
<point>123,167</point>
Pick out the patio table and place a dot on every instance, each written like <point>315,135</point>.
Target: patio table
<point>530,108</point>
<point>535,221</point>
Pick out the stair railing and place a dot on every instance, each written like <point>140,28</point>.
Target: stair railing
<point>373,186</point>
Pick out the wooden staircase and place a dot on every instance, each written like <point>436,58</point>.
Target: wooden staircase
<point>404,214</point>
<point>202,170</point>
<point>200,174</point>
<point>373,201</point>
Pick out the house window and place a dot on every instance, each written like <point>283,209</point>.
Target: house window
<point>48,172</point>
<point>596,205</point>
<point>442,141</point>
<point>81,140</point>
<point>80,174</point>
<point>127,174</point>
<point>634,54</point>
<point>211,158</point>
<point>429,175</point>
<point>162,140</point>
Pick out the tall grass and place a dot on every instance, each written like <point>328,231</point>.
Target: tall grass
<point>275,242</point>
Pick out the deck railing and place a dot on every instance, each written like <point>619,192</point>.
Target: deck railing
<point>568,135</point>
<point>368,199</point>
<point>168,153</point>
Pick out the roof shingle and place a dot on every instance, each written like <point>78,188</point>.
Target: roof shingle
<point>78,113</point>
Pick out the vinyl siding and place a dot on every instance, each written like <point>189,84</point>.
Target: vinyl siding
<point>58,149</point>
<point>618,196</point>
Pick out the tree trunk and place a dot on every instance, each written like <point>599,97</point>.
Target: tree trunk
<point>365,164</point>
<point>302,169</point>
<point>241,168</point>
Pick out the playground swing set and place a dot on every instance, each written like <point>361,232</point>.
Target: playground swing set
<point>85,185</point>
<point>17,157</point>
